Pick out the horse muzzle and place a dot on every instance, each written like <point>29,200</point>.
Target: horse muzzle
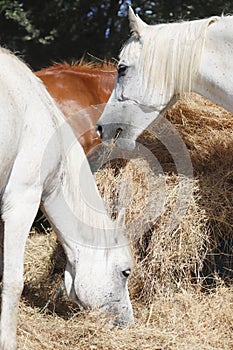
<point>104,136</point>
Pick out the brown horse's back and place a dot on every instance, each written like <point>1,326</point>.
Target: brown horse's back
<point>77,89</point>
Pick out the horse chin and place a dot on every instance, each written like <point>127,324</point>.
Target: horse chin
<point>121,323</point>
<point>122,316</point>
<point>125,144</point>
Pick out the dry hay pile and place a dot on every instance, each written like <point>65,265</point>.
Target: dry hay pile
<point>177,225</point>
<point>180,224</point>
<point>184,321</point>
<point>207,130</point>
<point>168,250</point>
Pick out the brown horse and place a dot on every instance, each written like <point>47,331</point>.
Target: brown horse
<point>77,88</point>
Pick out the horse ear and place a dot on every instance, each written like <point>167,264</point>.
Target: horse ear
<point>120,221</point>
<point>136,23</point>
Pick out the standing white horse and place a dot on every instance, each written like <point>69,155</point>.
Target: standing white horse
<point>161,62</point>
<point>41,162</point>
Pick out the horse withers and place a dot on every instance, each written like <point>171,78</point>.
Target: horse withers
<point>81,91</point>
<point>42,163</point>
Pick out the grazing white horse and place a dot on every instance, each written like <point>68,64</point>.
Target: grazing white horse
<point>42,163</point>
<point>161,62</point>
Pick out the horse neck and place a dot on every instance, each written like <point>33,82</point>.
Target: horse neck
<point>102,77</point>
<point>76,209</point>
<point>106,82</point>
<point>101,82</point>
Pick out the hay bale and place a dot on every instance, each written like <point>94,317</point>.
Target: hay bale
<point>207,130</point>
<point>183,321</point>
<point>169,248</point>
<point>39,256</point>
<point>44,267</point>
<point>174,253</point>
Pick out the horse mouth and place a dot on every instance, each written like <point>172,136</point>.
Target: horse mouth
<point>117,134</point>
<point>109,304</point>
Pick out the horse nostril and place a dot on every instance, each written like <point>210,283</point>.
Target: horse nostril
<point>99,130</point>
<point>117,134</point>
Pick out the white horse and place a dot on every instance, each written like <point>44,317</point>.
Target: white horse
<point>161,62</point>
<point>42,163</point>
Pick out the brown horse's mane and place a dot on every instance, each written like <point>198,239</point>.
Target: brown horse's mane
<point>84,66</point>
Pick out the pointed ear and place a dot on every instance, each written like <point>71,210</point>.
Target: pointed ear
<point>136,24</point>
<point>120,221</point>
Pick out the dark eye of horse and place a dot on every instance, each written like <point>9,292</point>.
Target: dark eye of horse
<point>121,70</point>
<point>126,273</point>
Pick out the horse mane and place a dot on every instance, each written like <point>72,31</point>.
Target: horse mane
<point>83,66</point>
<point>169,59</point>
<point>85,202</point>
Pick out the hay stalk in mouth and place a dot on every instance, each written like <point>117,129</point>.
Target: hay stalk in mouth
<point>117,134</point>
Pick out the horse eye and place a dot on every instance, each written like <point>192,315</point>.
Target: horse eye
<point>126,273</point>
<point>121,69</point>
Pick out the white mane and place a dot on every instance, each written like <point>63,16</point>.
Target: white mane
<point>86,203</point>
<point>169,58</point>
